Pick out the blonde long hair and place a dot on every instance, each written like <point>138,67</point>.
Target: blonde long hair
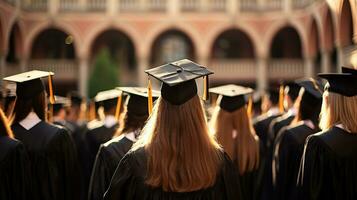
<point>5,129</point>
<point>182,155</point>
<point>338,109</point>
<point>243,149</point>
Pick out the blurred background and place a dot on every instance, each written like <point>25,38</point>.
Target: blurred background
<point>97,44</point>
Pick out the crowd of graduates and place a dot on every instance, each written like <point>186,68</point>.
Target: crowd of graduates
<point>298,142</point>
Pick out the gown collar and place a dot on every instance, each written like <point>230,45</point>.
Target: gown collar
<point>341,126</point>
<point>30,121</point>
<point>110,121</point>
<point>132,136</point>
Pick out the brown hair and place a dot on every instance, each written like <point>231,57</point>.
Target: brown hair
<point>338,109</point>
<point>182,155</point>
<point>129,122</point>
<point>242,149</point>
<point>36,104</point>
<point>5,125</point>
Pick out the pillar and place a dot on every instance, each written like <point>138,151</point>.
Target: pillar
<point>309,67</point>
<point>143,65</point>
<point>83,76</point>
<point>262,76</point>
<point>174,7</point>
<point>326,61</point>
<point>24,64</point>
<point>232,7</point>
<point>53,7</point>
<point>2,67</point>
<point>339,59</point>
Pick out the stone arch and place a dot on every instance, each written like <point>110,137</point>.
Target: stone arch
<point>286,43</point>
<point>346,24</point>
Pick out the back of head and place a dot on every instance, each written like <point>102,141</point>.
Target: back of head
<point>23,107</point>
<point>5,125</point>
<point>244,148</point>
<point>182,155</point>
<point>309,108</point>
<point>339,109</point>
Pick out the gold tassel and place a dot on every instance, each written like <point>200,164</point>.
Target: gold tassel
<point>150,103</point>
<point>250,106</point>
<point>205,88</point>
<point>50,87</point>
<point>117,111</point>
<point>281,99</point>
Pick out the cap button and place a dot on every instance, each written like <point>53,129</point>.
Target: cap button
<point>179,70</point>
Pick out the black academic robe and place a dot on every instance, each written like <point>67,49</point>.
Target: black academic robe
<point>287,156</point>
<point>77,132</point>
<point>261,125</point>
<point>329,166</point>
<point>53,165</point>
<point>14,170</point>
<point>107,160</point>
<point>128,182</point>
<point>274,128</point>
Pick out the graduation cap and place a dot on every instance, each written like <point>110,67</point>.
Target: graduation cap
<point>29,84</point>
<point>178,81</point>
<point>312,86</point>
<point>232,97</point>
<point>349,70</point>
<point>342,83</point>
<point>137,102</point>
<point>109,99</point>
<point>60,103</point>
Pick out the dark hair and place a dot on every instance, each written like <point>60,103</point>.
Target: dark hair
<point>4,125</point>
<point>309,108</point>
<point>23,107</point>
<point>129,121</point>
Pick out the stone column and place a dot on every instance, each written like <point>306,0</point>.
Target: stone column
<point>143,64</point>
<point>174,7</point>
<point>232,7</point>
<point>262,75</point>
<point>83,76</point>
<point>24,62</point>
<point>340,62</point>
<point>2,67</point>
<point>309,67</point>
<point>53,7</point>
<point>326,61</point>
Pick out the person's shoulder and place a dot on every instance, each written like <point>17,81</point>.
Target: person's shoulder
<point>94,124</point>
<point>9,146</point>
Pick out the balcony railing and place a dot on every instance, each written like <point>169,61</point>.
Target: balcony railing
<point>285,68</point>
<point>233,69</point>
<point>160,5</point>
<point>63,69</point>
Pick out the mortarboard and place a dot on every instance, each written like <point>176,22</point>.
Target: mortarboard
<point>60,103</point>
<point>349,70</point>
<point>292,89</point>
<point>311,86</point>
<point>29,84</point>
<point>109,99</point>
<point>232,97</point>
<point>137,102</point>
<point>178,80</point>
<point>342,83</point>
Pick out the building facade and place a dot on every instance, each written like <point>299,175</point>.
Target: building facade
<point>254,42</point>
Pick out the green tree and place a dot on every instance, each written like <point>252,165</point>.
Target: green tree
<point>105,74</point>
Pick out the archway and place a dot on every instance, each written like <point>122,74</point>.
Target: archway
<point>314,46</point>
<point>233,44</point>
<point>121,50</point>
<point>346,24</point>
<point>170,46</point>
<point>15,46</point>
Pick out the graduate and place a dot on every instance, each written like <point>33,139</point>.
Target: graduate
<point>59,111</point>
<point>110,153</point>
<point>328,168</point>
<point>290,141</point>
<point>101,131</point>
<point>231,122</point>
<point>14,164</point>
<point>9,101</point>
<point>52,154</point>
<point>176,157</point>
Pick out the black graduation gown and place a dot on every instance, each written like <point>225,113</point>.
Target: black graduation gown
<point>77,132</point>
<point>274,128</point>
<point>98,134</point>
<point>14,170</point>
<point>53,164</point>
<point>261,126</point>
<point>128,182</point>
<point>329,166</point>
<point>287,155</point>
<point>107,160</point>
